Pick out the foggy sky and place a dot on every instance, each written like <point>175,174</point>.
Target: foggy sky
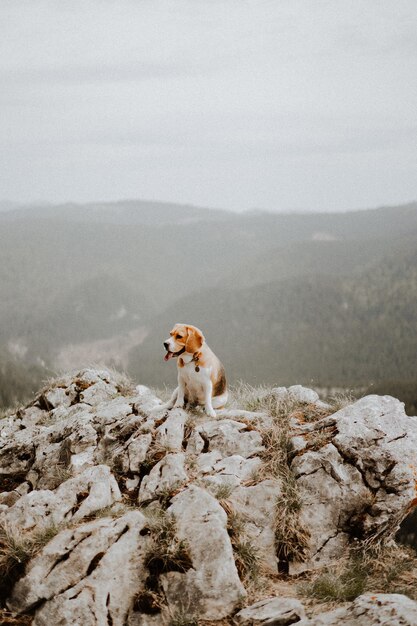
<point>277,104</point>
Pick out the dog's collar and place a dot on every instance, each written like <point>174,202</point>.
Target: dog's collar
<point>195,360</point>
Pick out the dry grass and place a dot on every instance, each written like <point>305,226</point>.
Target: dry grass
<point>11,619</point>
<point>341,399</point>
<point>123,383</point>
<point>16,550</point>
<point>223,492</point>
<point>247,397</point>
<point>365,570</point>
<point>163,393</point>
<point>291,538</point>
<point>166,552</point>
<point>247,557</point>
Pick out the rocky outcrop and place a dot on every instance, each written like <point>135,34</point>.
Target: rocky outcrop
<point>79,497</point>
<point>390,609</point>
<point>86,575</point>
<point>356,474</point>
<point>141,517</point>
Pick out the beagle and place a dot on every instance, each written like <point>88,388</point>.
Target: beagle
<point>201,376</point>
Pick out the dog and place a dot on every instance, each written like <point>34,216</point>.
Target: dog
<point>201,376</point>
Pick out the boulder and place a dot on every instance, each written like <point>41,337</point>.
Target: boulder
<point>212,586</point>
<point>271,612</point>
<point>88,575</point>
<point>170,434</point>
<point>357,475</point>
<point>74,499</point>
<point>227,437</point>
<point>256,506</point>
<point>388,609</point>
<point>164,478</point>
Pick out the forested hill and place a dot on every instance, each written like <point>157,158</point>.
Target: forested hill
<point>322,329</point>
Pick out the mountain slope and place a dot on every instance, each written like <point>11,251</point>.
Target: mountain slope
<point>329,330</point>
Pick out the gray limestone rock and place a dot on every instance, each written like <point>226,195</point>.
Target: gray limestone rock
<point>380,609</point>
<point>271,612</point>
<point>212,586</point>
<point>88,575</point>
<point>361,481</point>
<point>166,476</point>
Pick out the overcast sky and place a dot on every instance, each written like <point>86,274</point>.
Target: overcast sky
<point>277,104</point>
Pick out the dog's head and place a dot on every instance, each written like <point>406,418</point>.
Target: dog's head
<point>183,338</point>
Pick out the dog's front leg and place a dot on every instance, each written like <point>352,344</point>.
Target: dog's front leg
<point>208,390</point>
<point>180,401</point>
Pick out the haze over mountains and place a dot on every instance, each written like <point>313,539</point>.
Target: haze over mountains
<point>328,299</point>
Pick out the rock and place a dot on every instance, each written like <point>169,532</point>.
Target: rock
<point>86,576</point>
<point>296,393</point>
<point>97,393</point>
<point>170,434</point>
<point>165,477</point>
<point>228,437</point>
<point>112,411</point>
<point>75,499</point>
<point>362,482</point>
<point>137,449</point>
<point>121,444</point>
<point>46,446</point>
<point>145,401</point>
<point>207,461</point>
<point>238,466</point>
<point>230,471</point>
<point>256,506</point>
<point>212,586</point>
<point>331,494</point>
<point>271,612</point>
<point>299,393</point>
<point>31,416</point>
<point>55,397</point>
<point>281,393</point>
<point>389,609</point>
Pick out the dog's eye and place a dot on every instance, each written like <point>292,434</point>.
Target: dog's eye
<point>179,336</point>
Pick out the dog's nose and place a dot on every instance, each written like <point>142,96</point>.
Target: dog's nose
<point>166,345</point>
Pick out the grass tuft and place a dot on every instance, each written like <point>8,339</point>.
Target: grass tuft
<point>166,552</point>
<point>337,585</point>
<point>246,559</point>
<point>16,550</point>
<point>378,569</point>
<point>223,492</point>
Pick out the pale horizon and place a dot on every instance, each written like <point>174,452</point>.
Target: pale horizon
<point>7,205</point>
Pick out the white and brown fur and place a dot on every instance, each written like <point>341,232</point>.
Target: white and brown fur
<point>201,376</point>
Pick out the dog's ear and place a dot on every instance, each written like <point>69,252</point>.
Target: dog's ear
<point>195,339</point>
